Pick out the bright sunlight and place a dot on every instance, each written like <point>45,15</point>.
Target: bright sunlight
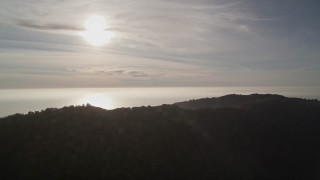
<point>96,32</point>
<point>97,100</point>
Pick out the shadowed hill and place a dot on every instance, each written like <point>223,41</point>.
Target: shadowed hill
<point>237,101</point>
<point>268,139</point>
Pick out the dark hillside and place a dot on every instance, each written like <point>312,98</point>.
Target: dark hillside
<point>266,139</point>
<point>234,101</point>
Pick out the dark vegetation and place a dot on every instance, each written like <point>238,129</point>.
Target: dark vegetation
<point>231,137</point>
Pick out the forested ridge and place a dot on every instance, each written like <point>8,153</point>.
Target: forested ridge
<point>231,137</point>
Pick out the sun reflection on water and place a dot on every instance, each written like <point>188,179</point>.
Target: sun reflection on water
<point>97,100</point>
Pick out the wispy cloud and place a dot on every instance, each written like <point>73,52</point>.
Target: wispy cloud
<point>176,41</point>
<point>120,72</point>
<point>39,26</point>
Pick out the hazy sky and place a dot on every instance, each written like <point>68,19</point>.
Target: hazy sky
<point>160,43</point>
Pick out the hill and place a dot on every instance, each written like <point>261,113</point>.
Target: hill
<point>238,101</point>
<point>241,137</point>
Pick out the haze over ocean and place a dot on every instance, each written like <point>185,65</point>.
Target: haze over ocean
<point>24,100</point>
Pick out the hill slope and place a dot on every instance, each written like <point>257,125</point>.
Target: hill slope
<point>236,101</point>
<point>266,139</point>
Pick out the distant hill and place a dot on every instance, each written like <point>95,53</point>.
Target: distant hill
<point>237,101</point>
<point>231,137</point>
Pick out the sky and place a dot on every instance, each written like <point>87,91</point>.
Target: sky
<point>160,43</point>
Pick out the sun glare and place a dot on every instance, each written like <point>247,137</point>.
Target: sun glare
<point>96,31</point>
<point>97,100</point>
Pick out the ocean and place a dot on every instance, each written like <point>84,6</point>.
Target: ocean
<point>24,100</point>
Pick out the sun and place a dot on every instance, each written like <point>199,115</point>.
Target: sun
<point>96,32</point>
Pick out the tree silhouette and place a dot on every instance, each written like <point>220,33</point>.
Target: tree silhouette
<point>261,137</point>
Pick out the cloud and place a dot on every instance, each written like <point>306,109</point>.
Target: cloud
<point>40,26</point>
<point>177,41</point>
<point>244,28</point>
<point>127,72</point>
<point>140,74</point>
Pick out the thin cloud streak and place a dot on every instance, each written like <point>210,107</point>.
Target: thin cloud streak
<point>37,26</point>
